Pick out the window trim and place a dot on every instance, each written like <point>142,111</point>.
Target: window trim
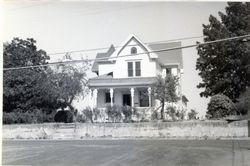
<point>130,71</point>
<point>134,69</point>
<point>138,62</point>
<point>133,50</point>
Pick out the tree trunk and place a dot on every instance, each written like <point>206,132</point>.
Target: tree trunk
<point>162,109</point>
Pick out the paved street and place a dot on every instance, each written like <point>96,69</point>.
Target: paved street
<point>127,152</point>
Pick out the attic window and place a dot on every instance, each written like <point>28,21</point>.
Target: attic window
<point>133,50</point>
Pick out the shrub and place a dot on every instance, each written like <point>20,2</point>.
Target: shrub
<point>155,115</point>
<point>220,106</point>
<point>64,116</point>
<point>180,114</point>
<point>171,111</point>
<point>114,113</point>
<point>242,107</point>
<point>96,113</point>
<point>127,112</point>
<point>88,113</point>
<point>9,118</point>
<point>34,116</point>
<point>80,118</point>
<point>243,104</point>
<point>192,115</point>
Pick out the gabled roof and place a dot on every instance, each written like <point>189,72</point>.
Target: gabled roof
<point>139,42</point>
<point>103,55</point>
<point>164,58</point>
<point>168,57</point>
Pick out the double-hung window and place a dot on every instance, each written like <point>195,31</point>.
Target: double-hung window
<point>130,69</point>
<point>134,69</point>
<point>137,68</point>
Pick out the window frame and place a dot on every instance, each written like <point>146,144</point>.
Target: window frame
<point>137,69</point>
<point>130,70</point>
<point>134,71</point>
<point>133,50</point>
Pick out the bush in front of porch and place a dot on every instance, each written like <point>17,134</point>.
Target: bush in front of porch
<point>114,113</point>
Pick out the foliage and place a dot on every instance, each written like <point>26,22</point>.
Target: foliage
<point>69,81</point>
<point>243,104</point>
<point>171,111</point>
<point>80,118</point>
<point>192,115</point>
<point>180,114</point>
<point>127,112</point>
<point>88,113</point>
<point>96,113</point>
<point>155,115</point>
<point>165,90</point>
<point>64,116</point>
<point>114,113</point>
<point>25,89</point>
<point>224,66</point>
<point>36,116</point>
<point>220,106</point>
<point>42,88</point>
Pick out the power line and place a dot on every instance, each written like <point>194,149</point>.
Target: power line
<point>104,48</point>
<point>148,52</point>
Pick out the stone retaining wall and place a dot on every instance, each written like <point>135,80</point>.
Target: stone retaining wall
<point>187,129</point>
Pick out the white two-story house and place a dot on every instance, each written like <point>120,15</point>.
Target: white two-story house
<point>125,75</point>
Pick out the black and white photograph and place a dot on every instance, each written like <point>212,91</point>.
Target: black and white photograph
<point>125,83</point>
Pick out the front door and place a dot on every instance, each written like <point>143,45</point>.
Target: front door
<point>126,100</point>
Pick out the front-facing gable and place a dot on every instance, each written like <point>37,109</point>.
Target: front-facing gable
<point>133,41</point>
<point>151,61</point>
<point>134,60</point>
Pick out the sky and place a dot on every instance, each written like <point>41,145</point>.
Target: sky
<point>61,26</point>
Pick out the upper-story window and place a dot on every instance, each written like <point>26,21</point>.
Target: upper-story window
<point>137,68</point>
<point>133,50</point>
<point>132,66</point>
<point>130,69</point>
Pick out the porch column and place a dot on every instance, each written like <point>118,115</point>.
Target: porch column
<point>132,92</point>
<point>149,97</point>
<point>111,91</point>
<point>95,92</point>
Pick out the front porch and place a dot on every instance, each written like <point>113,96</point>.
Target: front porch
<point>133,92</point>
<point>138,97</point>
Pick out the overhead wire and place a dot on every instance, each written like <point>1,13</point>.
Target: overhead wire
<point>110,58</point>
<point>104,48</point>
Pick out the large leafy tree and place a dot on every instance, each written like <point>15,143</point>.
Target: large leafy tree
<point>25,89</point>
<point>165,90</point>
<point>44,88</point>
<point>224,66</point>
<point>69,82</point>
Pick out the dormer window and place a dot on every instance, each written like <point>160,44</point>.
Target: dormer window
<point>133,50</point>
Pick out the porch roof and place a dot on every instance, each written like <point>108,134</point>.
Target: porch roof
<point>121,82</point>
